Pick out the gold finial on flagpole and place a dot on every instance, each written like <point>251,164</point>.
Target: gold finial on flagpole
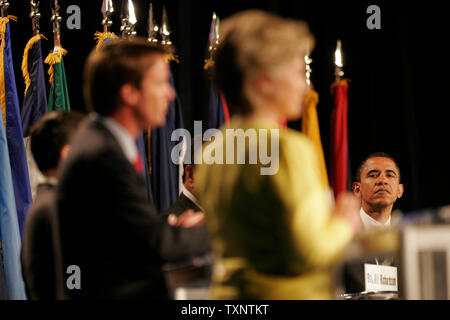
<point>339,73</point>
<point>56,19</point>
<point>107,10</point>
<point>4,4</point>
<point>165,29</point>
<point>213,35</point>
<point>152,28</point>
<point>128,19</point>
<point>35,15</point>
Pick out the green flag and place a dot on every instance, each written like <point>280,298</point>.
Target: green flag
<point>58,98</point>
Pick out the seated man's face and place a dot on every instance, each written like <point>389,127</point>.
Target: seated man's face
<point>379,185</point>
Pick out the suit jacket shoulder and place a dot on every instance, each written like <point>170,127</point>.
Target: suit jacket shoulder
<point>108,227</point>
<point>37,254</point>
<point>182,204</point>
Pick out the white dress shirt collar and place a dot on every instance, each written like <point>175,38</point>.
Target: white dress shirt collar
<point>370,222</point>
<point>125,140</point>
<point>49,180</point>
<point>190,196</point>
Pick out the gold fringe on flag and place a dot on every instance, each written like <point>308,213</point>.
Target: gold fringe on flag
<point>54,58</point>
<point>208,64</point>
<point>25,72</point>
<point>310,127</point>
<point>3,22</point>
<point>171,57</point>
<point>101,36</point>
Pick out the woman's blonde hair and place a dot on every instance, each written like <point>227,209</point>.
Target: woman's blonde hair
<point>255,41</point>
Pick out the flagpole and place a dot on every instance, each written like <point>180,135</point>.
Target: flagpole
<point>107,10</point>
<point>218,113</point>
<point>102,37</point>
<point>165,29</point>
<point>56,19</point>
<point>152,28</point>
<point>339,73</point>
<point>4,8</point>
<point>213,40</point>
<point>35,15</point>
<point>339,168</point>
<point>128,19</point>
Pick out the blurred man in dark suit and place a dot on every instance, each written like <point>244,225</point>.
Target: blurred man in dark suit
<point>50,144</point>
<point>193,242</point>
<point>110,232</point>
<point>187,251</point>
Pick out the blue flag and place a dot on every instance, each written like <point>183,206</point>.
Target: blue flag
<point>35,100</point>
<point>9,226</point>
<point>165,173</point>
<point>14,134</point>
<point>3,286</point>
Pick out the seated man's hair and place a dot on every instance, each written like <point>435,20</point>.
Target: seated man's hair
<point>191,156</point>
<point>376,155</point>
<point>50,134</point>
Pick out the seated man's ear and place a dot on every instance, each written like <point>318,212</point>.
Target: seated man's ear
<point>64,152</point>
<point>400,190</point>
<point>356,187</point>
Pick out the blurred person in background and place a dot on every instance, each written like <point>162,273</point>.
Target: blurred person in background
<point>50,145</point>
<point>274,235</point>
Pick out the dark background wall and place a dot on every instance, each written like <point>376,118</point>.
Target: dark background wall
<point>398,94</point>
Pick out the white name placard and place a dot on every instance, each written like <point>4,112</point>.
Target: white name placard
<point>380,278</point>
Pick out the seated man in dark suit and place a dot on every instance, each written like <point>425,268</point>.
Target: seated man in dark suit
<point>50,144</point>
<point>110,232</point>
<point>193,243</point>
<point>188,263</point>
<point>378,185</point>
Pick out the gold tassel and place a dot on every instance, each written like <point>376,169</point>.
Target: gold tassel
<point>52,59</point>
<point>101,36</point>
<point>3,22</point>
<point>208,64</point>
<point>28,47</point>
<point>172,57</point>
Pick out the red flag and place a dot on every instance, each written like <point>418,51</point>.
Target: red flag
<point>226,112</point>
<point>339,153</point>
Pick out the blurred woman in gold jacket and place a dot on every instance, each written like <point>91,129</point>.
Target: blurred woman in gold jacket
<point>274,234</point>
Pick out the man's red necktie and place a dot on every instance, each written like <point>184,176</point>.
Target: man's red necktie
<point>138,165</point>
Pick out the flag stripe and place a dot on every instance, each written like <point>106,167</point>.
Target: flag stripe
<point>14,134</point>
<point>9,226</point>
